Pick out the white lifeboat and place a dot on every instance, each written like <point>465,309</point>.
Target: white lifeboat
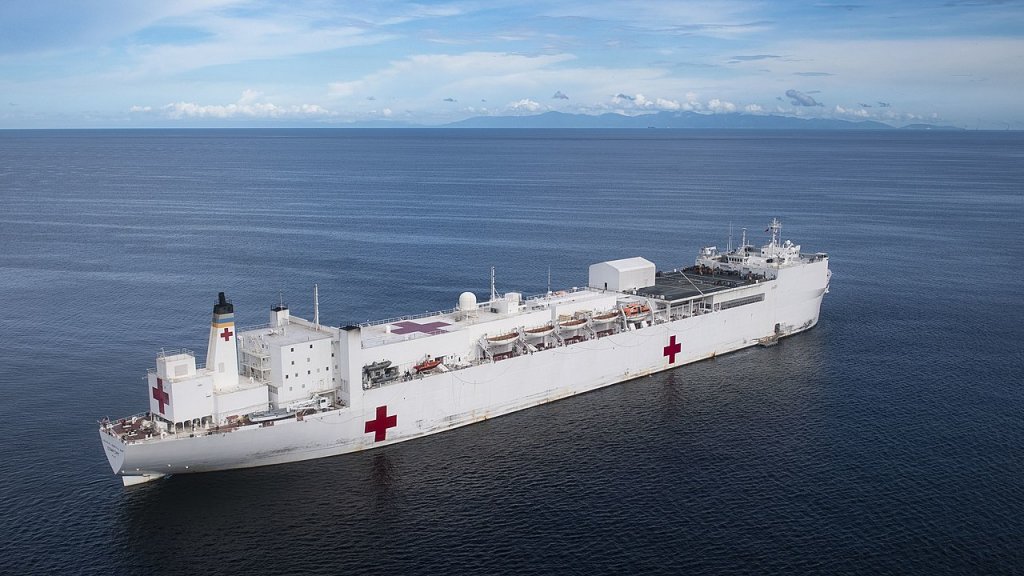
<point>503,338</point>
<point>606,317</point>
<point>574,324</point>
<point>539,331</point>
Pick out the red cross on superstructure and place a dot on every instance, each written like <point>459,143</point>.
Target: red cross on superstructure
<point>672,349</point>
<point>379,425</point>
<point>161,396</point>
<point>227,334</point>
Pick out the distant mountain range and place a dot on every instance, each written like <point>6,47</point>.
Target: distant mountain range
<point>676,120</point>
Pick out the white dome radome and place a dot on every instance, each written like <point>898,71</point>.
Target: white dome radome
<point>467,302</point>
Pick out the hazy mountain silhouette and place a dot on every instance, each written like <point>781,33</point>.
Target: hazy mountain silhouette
<point>675,120</point>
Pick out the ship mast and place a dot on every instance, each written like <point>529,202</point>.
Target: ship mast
<point>494,294</point>
<point>776,227</point>
<point>316,306</point>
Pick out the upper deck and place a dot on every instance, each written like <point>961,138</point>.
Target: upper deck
<point>491,317</point>
<point>613,285</point>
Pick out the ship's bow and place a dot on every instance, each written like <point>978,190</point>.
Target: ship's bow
<point>114,448</point>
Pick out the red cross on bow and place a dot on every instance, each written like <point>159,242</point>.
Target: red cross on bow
<point>160,395</point>
<point>227,334</point>
<point>379,425</point>
<point>672,349</point>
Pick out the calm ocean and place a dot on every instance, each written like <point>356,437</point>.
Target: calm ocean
<point>889,439</point>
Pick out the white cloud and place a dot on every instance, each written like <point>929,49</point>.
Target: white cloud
<point>955,77</point>
<point>640,102</point>
<point>691,103</point>
<point>234,41</point>
<point>721,19</point>
<point>122,55</point>
<point>417,83</point>
<point>526,105</point>
<point>247,106</point>
<point>43,27</point>
<point>444,73</point>
<point>721,106</point>
<point>346,88</point>
<point>851,112</point>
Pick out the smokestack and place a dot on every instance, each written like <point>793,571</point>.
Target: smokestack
<point>222,351</point>
<point>223,306</point>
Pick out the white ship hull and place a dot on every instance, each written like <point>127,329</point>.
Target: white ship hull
<point>440,400</point>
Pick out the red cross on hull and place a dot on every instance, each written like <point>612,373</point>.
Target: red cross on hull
<point>379,425</point>
<point>160,395</point>
<point>672,349</point>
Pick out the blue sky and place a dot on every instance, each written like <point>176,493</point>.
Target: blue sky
<point>122,63</point>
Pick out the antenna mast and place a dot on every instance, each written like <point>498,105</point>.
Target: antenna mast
<point>494,294</point>
<point>316,305</point>
<point>549,280</point>
<point>776,227</point>
<point>729,249</point>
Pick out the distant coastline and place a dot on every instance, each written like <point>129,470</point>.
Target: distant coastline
<point>562,120</point>
<point>680,120</point>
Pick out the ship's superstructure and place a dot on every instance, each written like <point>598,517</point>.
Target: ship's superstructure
<point>293,390</point>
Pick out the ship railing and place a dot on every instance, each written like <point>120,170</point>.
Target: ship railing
<point>165,352</point>
<point>545,295</point>
<point>374,341</point>
<point>199,366</point>
<point>108,426</point>
<point>291,320</point>
<point>407,317</point>
<point>109,422</point>
<point>263,326</point>
<point>480,306</point>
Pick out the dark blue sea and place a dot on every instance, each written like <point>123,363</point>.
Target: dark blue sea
<point>887,440</point>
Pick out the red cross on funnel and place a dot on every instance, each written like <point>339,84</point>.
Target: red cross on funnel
<point>379,425</point>
<point>160,395</point>
<point>227,334</point>
<point>672,349</point>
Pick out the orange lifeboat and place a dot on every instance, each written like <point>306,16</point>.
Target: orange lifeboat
<point>635,309</point>
<point>428,364</point>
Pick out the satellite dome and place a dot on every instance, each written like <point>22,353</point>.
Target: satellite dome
<point>467,302</point>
